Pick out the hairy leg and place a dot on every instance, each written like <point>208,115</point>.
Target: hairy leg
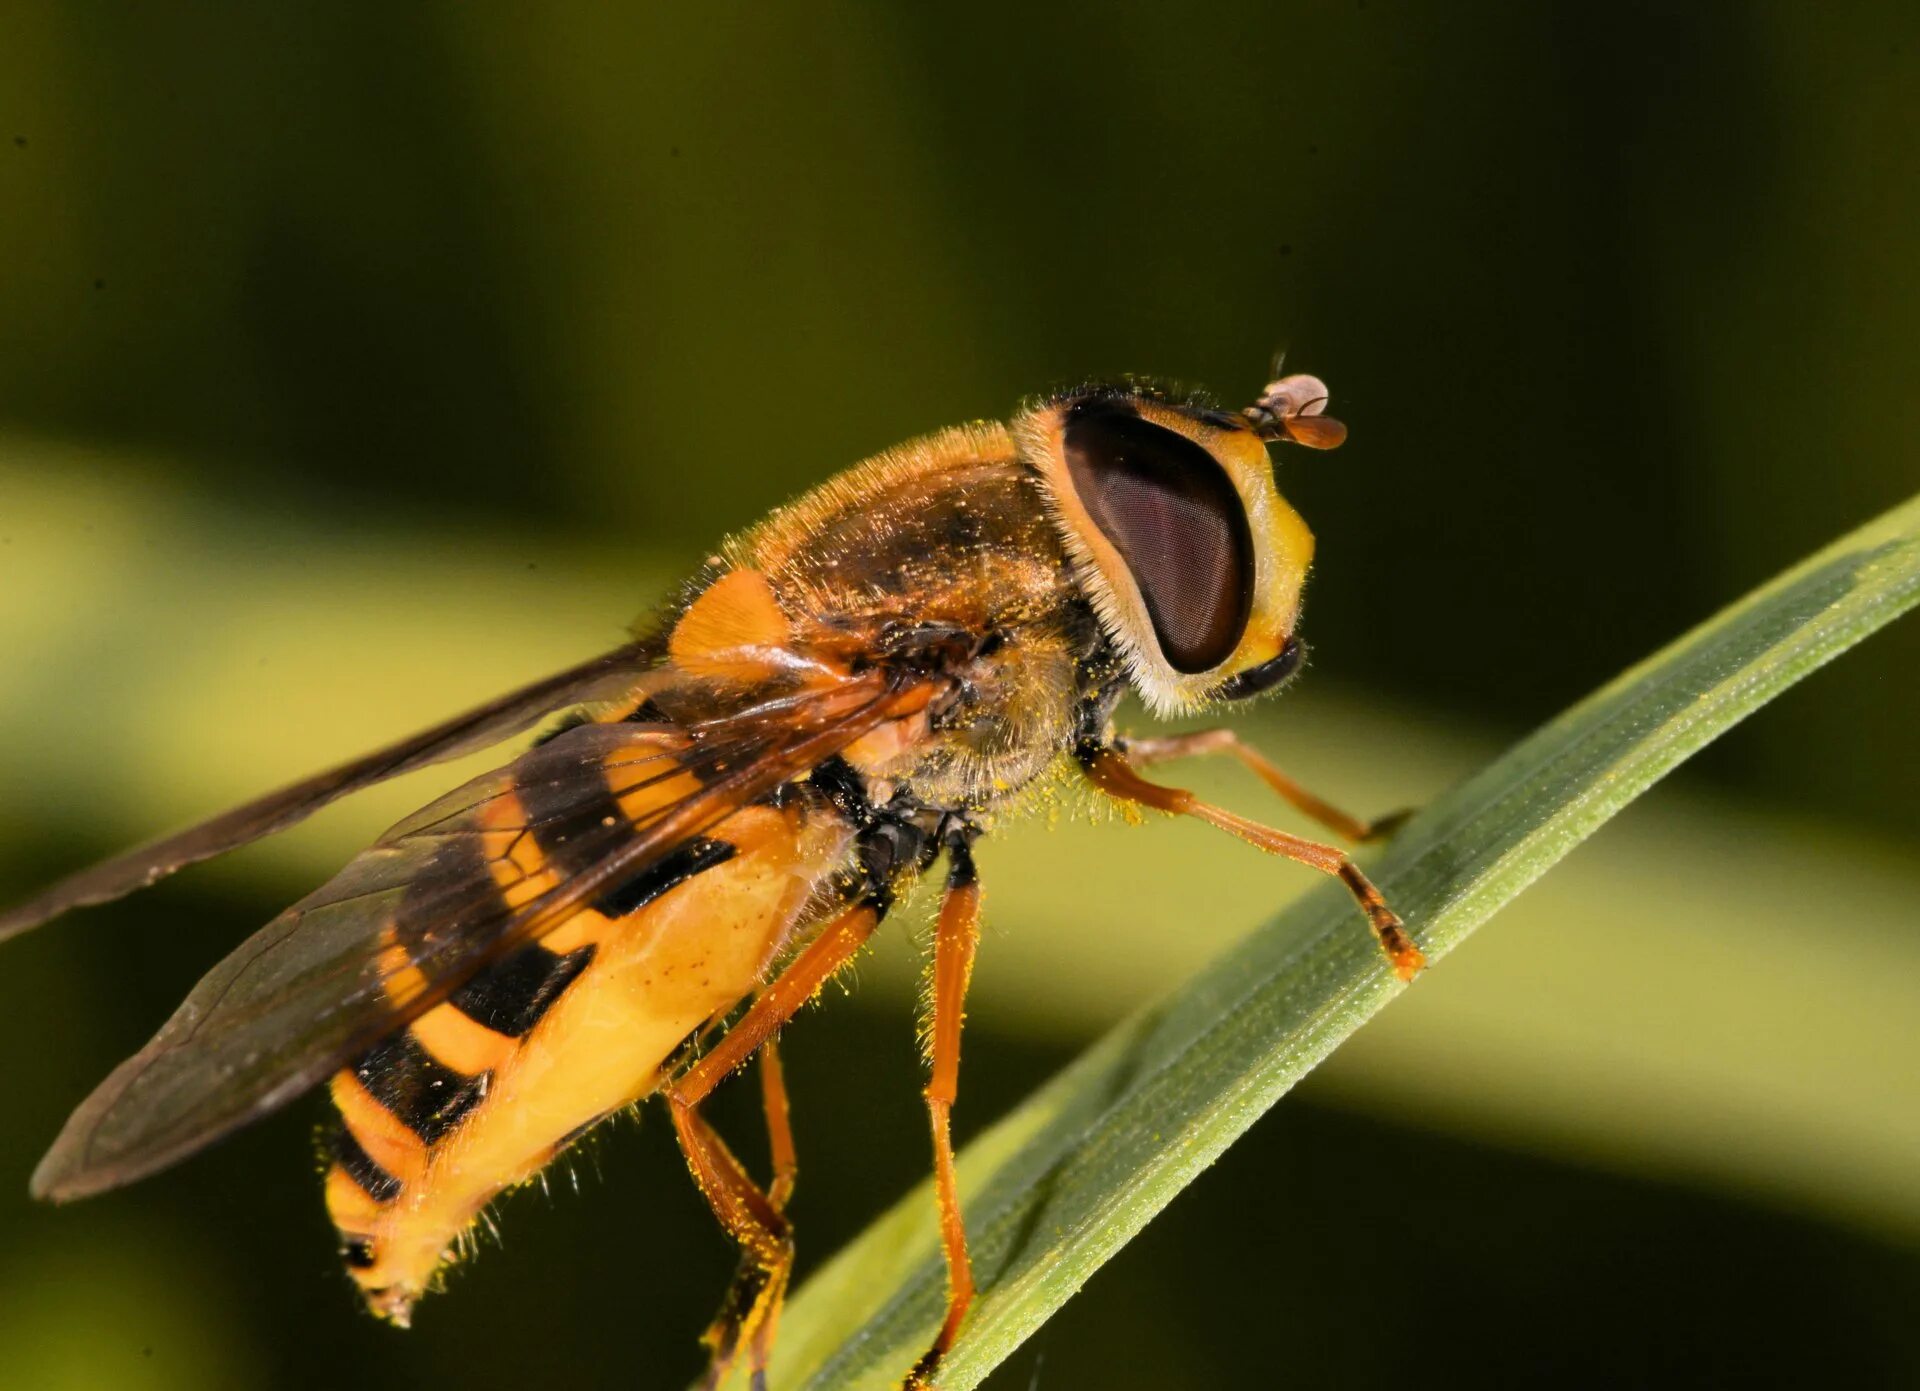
<point>1113,772</point>
<point>955,938</point>
<point>1144,753</point>
<point>753,1217</point>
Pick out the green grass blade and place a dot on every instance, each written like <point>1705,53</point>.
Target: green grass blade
<point>1055,1189</point>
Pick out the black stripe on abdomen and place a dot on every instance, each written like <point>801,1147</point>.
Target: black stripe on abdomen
<point>577,822</point>
<point>510,996</point>
<point>416,1088</point>
<point>569,808</point>
<point>420,923</point>
<point>359,1166</point>
<point>694,857</point>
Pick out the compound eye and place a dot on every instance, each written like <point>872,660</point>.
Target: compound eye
<point>1172,513</point>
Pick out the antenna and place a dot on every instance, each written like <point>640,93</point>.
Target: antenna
<point>1292,409</point>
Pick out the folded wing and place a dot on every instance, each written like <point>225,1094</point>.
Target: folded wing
<point>437,898</point>
<point>611,673</point>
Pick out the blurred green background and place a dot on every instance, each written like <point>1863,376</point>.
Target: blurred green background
<point>357,362</point>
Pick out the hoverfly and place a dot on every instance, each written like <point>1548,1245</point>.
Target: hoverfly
<point>722,816</point>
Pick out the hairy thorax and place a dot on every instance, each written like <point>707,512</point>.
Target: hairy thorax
<point>946,540</point>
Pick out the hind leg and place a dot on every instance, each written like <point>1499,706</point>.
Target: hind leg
<point>722,1338</point>
<point>754,1217</point>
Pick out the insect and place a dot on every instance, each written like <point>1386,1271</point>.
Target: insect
<point>723,814</point>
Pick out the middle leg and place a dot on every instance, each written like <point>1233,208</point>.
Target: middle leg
<point>956,936</point>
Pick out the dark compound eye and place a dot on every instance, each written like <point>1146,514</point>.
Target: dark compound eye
<point>1169,508</point>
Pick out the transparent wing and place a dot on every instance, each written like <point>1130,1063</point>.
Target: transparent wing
<point>441,895</point>
<point>603,676</point>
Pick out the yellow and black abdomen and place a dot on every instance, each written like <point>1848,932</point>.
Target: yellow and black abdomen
<point>485,1089</point>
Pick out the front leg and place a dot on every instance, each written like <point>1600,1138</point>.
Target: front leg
<point>1111,769</point>
<point>1144,753</point>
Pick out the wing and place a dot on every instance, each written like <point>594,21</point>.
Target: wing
<point>441,895</point>
<point>490,723</point>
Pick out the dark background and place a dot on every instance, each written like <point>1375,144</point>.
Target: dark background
<point>1620,303</point>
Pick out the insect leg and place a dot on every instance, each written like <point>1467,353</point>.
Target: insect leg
<point>1143,753</point>
<point>786,1170</point>
<point>836,945</point>
<point>773,1100</point>
<point>766,1244</point>
<point>1113,773</point>
<point>749,1281</point>
<point>753,1217</point>
<point>955,937</point>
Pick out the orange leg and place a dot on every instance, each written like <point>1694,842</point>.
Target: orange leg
<point>773,1099</point>
<point>752,1217</point>
<point>1113,772</point>
<point>750,1280</point>
<point>766,1246</point>
<point>955,938</point>
<point>1143,753</point>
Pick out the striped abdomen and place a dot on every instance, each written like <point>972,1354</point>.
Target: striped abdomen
<point>482,1091</point>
